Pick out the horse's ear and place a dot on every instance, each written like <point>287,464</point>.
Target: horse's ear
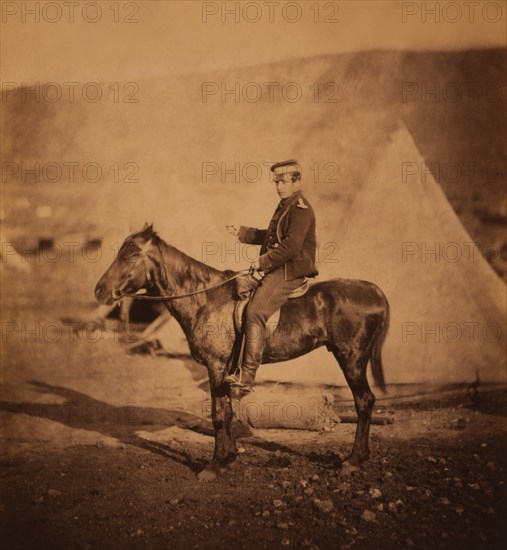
<point>147,230</point>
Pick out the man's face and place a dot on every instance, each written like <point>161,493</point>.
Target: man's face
<point>284,184</point>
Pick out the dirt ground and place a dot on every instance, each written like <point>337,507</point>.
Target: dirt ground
<point>100,449</point>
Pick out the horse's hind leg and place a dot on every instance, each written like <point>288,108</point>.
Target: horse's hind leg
<point>354,369</point>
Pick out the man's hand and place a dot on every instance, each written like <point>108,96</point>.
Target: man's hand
<point>245,284</point>
<point>255,265</point>
<point>233,230</point>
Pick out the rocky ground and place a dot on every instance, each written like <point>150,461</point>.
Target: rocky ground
<point>435,479</point>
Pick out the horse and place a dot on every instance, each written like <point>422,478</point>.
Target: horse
<point>349,317</point>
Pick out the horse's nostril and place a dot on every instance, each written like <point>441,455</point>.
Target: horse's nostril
<point>99,290</point>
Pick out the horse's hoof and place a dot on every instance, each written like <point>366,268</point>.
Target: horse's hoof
<point>348,468</point>
<point>207,475</point>
<point>231,457</point>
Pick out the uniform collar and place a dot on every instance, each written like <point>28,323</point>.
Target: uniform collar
<point>290,200</point>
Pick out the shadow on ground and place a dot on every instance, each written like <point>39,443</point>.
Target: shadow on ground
<point>123,423</point>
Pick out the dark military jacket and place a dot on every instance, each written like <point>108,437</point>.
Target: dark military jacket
<point>289,240</point>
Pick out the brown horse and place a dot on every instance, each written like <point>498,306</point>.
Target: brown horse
<point>349,317</point>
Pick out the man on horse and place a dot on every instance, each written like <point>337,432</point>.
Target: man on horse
<point>287,257</point>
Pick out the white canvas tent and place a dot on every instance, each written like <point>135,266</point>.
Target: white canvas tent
<point>448,309</point>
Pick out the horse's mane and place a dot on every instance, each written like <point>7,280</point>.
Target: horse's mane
<point>177,269</point>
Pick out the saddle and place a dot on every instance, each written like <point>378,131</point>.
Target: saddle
<point>239,309</point>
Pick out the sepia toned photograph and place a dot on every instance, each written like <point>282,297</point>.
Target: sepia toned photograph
<point>253,274</point>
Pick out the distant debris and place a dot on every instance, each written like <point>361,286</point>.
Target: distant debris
<point>45,243</point>
<point>93,244</point>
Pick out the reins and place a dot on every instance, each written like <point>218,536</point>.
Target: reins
<point>184,295</point>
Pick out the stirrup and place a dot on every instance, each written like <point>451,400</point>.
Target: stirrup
<point>234,380</point>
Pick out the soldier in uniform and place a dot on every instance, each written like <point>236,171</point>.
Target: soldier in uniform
<point>286,258</point>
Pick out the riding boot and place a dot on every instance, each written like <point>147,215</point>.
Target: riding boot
<point>254,344</point>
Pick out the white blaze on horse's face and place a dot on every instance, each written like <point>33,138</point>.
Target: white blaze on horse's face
<point>128,274</point>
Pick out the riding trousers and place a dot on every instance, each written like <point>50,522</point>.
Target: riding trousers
<point>268,298</point>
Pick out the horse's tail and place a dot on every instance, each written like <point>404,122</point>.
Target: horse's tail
<point>376,352</point>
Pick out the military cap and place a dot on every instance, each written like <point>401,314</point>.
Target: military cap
<point>291,162</point>
<point>289,167</point>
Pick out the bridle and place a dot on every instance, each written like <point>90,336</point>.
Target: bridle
<point>117,293</point>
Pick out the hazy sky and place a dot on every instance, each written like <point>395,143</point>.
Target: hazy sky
<point>179,37</point>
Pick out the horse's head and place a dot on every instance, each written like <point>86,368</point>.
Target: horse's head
<point>132,269</point>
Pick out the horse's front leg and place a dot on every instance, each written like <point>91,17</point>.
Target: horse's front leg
<point>225,446</point>
<point>222,415</point>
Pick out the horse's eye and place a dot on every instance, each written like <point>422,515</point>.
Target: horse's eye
<point>128,251</point>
